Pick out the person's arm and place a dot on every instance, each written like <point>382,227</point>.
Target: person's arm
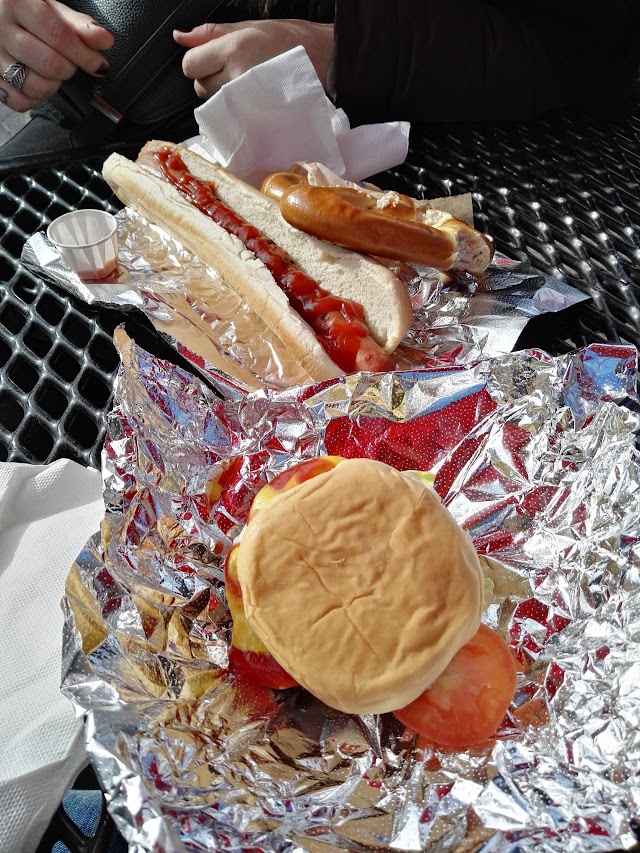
<point>52,42</point>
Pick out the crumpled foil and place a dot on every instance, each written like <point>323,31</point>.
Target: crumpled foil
<point>454,320</point>
<point>535,456</point>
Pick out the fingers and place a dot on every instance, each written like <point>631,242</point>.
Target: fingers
<point>208,50</point>
<point>218,53</point>
<point>34,89</point>
<point>15,100</point>
<point>92,34</point>
<point>61,49</point>
<point>207,86</point>
<point>200,35</point>
<point>39,57</point>
<point>52,41</point>
<point>204,60</point>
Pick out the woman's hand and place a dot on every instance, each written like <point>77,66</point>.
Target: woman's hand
<point>52,41</point>
<point>219,53</point>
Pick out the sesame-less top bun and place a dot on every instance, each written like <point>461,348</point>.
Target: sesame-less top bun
<point>361,585</point>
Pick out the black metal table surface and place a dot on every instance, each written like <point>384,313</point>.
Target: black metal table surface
<point>560,194</point>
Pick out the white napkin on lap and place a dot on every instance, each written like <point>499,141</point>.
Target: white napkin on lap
<point>47,514</point>
<point>278,113</point>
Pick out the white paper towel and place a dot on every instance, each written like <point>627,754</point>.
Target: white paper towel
<point>47,513</point>
<point>277,113</point>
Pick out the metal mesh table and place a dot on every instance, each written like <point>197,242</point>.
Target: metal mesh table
<point>561,195</point>
<point>57,359</point>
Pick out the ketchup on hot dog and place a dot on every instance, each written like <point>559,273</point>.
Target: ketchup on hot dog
<point>337,323</point>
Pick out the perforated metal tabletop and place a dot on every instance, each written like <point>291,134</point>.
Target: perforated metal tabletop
<point>57,359</point>
<point>563,196</point>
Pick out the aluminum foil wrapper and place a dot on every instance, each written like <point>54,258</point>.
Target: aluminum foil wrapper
<point>455,321</point>
<point>535,456</point>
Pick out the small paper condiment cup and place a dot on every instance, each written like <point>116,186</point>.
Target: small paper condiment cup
<point>87,241</point>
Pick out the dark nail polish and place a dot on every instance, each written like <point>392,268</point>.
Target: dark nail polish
<point>103,70</point>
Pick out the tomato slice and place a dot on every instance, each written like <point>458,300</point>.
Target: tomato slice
<point>260,667</point>
<point>299,473</point>
<point>467,702</point>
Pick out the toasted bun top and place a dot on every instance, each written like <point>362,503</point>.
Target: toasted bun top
<point>361,585</point>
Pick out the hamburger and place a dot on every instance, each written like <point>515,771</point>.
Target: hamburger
<point>357,581</point>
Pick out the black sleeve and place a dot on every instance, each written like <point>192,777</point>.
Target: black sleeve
<point>468,60</point>
<point>581,11</point>
<point>321,11</point>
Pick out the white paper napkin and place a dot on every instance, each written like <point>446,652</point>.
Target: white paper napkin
<point>47,513</point>
<point>278,113</point>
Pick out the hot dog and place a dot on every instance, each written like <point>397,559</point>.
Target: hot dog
<point>388,225</point>
<point>335,311</point>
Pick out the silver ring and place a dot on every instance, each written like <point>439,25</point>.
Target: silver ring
<point>15,75</point>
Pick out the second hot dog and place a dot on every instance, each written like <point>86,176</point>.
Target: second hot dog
<point>390,225</point>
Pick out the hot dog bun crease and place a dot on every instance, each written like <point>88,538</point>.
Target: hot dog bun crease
<point>341,273</point>
<point>361,585</point>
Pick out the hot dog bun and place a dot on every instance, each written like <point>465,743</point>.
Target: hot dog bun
<point>346,274</point>
<point>354,219</point>
<point>276,184</point>
<point>361,585</point>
